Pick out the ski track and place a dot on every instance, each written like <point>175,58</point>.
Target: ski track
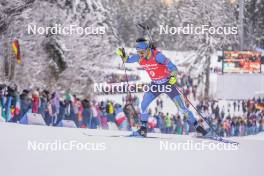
<point>123,156</point>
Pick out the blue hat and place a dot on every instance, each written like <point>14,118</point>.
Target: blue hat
<point>142,46</point>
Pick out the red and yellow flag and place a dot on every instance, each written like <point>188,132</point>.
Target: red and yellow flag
<point>16,49</point>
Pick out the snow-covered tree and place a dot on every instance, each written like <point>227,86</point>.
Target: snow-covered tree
<point>254,23</point>
<point>75,61</point>
<point>56,61</point>
<point>214,14</point>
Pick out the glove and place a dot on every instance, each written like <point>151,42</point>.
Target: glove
<point>173,78</point>
<point>121,52</point>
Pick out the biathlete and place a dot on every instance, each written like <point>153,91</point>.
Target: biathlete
<point>162,73</point>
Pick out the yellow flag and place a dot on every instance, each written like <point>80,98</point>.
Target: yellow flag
<point>16,49</point>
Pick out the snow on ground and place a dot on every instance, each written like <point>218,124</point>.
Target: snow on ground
<point>122,156</point>
<point>259,136</point>
<point>239,86</point>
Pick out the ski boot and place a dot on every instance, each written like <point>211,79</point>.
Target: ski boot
<point>141,132</point>
<point>200,129</point>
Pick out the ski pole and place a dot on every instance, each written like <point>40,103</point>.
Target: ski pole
<point>199,113</point>
<point>128,93</point>
<point>124,67</point>
<point>127,81</point>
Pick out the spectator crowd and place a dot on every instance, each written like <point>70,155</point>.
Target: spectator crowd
<point>88,113</point>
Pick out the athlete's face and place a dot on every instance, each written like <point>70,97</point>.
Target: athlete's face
<point>142,53</point>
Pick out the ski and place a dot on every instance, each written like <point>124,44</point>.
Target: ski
<point>213,138</point>
<point>126,136</point>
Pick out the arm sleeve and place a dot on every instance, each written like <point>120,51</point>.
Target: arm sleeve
<point>133,58</point>
<point>160,58</point>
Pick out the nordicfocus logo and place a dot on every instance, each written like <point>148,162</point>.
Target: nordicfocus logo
<point>33,29</point>
<point>190,29</point>
<point>133,88</point>
<point>58,145</point>
<point>196,146</point>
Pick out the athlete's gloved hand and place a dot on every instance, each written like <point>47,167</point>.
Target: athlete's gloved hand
<point>121,52</point>
<point>173,78</point>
